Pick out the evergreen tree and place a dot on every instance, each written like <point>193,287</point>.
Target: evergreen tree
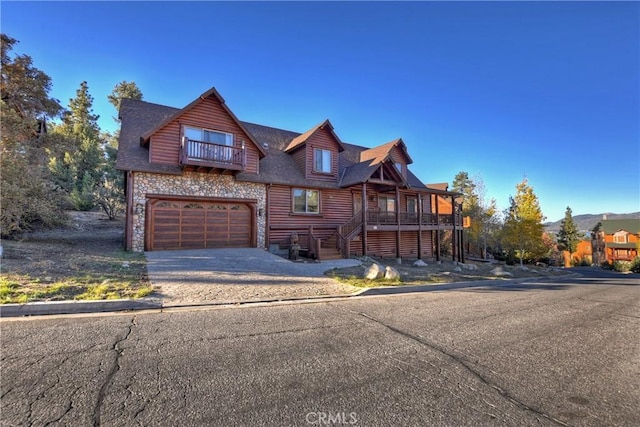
<point>122,90</point>
<point>523,229</point>
<point>568,236</point>
<point>109,193</point>
<point>80,169</point>
<point>481,213</point>
<point>25,104</point>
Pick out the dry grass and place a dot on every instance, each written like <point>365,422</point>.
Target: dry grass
<point>83,261</point>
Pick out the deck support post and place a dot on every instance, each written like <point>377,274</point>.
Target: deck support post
<point>364,218</point>
<point>399,232</point>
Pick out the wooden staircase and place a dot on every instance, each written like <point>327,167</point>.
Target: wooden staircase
<point>329,248</point>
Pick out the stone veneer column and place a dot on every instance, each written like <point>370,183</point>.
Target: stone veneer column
<point>193,184</point>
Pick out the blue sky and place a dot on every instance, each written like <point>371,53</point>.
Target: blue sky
<point>502,90</point>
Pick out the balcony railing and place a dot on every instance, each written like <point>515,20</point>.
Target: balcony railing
<point>412,218</point>
<point>209,154</point>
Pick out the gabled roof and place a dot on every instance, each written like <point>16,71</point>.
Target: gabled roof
<point>381,153</point>
<point>443,186</point>
<point>612,226</point>
<point>302,139</point>
<point>277,167</point>
<point>210,93</point>
<point>362,172</point>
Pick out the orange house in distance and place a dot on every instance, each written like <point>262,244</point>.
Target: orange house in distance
<point>584,251</point>
<point>615,240</point>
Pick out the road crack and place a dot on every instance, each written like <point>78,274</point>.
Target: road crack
<point>465,364</point>
<point>115,367</point>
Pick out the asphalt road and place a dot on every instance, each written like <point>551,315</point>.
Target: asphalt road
<point>565,353</point>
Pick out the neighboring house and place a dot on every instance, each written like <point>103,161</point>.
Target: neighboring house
<point>615,240</point>
<point>198,177</point>
<point>583,254</point>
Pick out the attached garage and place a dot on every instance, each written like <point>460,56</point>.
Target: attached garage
<point>197,223</point>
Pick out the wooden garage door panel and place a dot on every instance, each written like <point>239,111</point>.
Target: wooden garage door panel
<point>199,224</point>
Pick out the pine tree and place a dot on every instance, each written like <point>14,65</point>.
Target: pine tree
<point>568,236</point>
<point>83,163</point>
<point>109,193</point>
<point>523,229</point>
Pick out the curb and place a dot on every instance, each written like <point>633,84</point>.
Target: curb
<point>83,307</point>
<point>76,307</point>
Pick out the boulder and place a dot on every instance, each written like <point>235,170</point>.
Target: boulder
<point>457,269</point>
<point>375,271</point>
<point>391,273</point>
<point>419,263</point>
<point>498,271</point>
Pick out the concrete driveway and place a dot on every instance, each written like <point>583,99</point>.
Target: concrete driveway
<point>191,277</point>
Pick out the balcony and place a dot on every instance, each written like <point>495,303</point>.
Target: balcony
<point>375,218</point>
<point>208,155</point>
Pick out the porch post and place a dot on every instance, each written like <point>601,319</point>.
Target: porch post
<point>419,226</point>
<point>399,232</point>
<point>454,234</point>
<point>437,203</point>
<point>364,218</point>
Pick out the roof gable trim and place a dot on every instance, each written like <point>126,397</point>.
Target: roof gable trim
<point>144,139</point>
<point>300,140</point>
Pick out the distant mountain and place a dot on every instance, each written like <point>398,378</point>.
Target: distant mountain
<point>587,221</point>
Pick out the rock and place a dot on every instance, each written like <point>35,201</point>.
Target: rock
<point>374,272</point>
<point>471,267</point>
<point>498,271</point>
<point>457,269</point>
<point>391,273</point>
<point>420,263</point>
<point>126,264</point>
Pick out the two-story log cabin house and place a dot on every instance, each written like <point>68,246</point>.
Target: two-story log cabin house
<point>198,177</point>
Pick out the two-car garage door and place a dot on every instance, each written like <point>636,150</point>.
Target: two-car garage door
<point>195,224</point>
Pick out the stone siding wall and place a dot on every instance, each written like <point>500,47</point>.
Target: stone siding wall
<point>192,184</point>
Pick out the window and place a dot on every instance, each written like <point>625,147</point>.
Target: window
<point>205,135</point>
<point>398,167</point>
<point>387,204</point>
<point>306,201</point>
<point>620,237</point>
<point>412,205</point>
<point>321,160</point>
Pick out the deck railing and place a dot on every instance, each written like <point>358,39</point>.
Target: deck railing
<point>411,218</point>
<point>209,154</point>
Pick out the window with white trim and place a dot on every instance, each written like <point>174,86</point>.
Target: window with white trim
<point>321,160</point>
<point>306,201</point>
<point>620,237</point>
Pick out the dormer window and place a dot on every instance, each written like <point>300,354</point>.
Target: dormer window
<point>398,167</point>
<point>620,237</point>
<point>321,160</point>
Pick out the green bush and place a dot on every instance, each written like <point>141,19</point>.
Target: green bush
<point>622,266</point>
<point>635,265</point>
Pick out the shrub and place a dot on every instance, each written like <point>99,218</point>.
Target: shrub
<point>635,265</point>
<point>606,265</point>
<point>622,266</point>
<point>584,261</point>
